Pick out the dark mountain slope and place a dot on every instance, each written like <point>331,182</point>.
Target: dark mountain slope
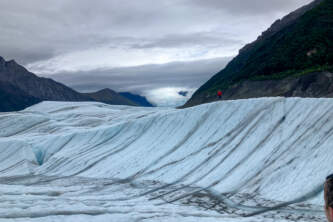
<point>32,85</point>
<point>111,97</point>
<point>299,44</point>
<point>20,88</point>
<point>13,98</point>
<point>140,100</point>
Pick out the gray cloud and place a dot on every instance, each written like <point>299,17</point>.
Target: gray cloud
<point>142,78</point>
<point>253,7</point>
<point>209,39</point>
<point>37,30</point>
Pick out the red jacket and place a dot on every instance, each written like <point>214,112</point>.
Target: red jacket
<point>219,93</point>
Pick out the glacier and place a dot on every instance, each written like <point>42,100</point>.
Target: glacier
<point>245,160</point>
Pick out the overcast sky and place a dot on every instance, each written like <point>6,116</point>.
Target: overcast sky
<point>152,47</point>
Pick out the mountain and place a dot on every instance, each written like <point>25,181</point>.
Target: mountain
<point>20,88</point>
<point>221,161</point>
<point>140,100</point>
<point>111,97</point>
<point>13,98</point>
<point>300,44</point>
<point>38,87</point>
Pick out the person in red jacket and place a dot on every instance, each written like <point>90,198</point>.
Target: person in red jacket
<point>219,94</point>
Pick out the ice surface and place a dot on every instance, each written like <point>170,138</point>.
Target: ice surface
<point>219,161</point>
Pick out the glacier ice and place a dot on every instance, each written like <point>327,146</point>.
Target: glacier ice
<point>96,162</point>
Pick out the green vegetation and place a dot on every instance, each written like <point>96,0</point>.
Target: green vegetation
<point>292,73</point>
<point>300,48</point>
<point>276,76</point>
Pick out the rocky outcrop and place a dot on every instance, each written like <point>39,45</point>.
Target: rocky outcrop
<point>313,85</point>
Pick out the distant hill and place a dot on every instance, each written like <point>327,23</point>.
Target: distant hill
<point>277,62</point>
<point>111,97</point>
<point>140,100</point>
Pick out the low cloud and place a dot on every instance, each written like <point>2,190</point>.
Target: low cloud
<point>140,78</point>
<point>168,96</point>
<point>148,80</point>
<point>39,33</point>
